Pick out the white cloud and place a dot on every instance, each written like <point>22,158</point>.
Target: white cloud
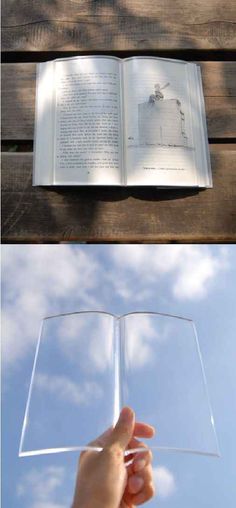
<point>188,269</point>
<point>40,487</point>
<point>94,350</point>
<point>144,333</point>
<point>196,272</point>
<point>164,481</point>
<point>161,258</point>
<point>140,334</point>
<point>37,281</point>
<point>44,279</point>
<point>64,388</point>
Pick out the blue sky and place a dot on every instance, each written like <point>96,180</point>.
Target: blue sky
<point>198,282</point>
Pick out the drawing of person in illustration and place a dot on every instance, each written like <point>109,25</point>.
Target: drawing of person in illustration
<point>158,95</point>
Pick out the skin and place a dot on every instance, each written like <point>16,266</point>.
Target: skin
<point>103,479</point>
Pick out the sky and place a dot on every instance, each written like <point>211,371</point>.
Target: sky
<point>196,282</point>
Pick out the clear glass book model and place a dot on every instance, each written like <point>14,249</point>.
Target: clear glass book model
<point>102,120</point>
<point>88,365</point>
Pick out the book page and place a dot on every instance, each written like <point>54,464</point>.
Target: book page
<point>43,128</point>
<point>159,141</point>
<point>73,380</point>
<point>88,121</point>
<point>163,380</point>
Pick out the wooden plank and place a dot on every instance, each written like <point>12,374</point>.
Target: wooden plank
<point>221,117</point>
<point>25,11</point>
<point>219,79</point>
<point>18,96</point>
<point>109,214</point>
<point>18,101</point>
<point>117,25</point>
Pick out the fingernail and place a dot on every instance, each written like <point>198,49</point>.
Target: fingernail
<point>139,464</point>
<point>126,415</point>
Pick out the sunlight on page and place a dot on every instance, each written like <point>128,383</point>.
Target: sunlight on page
<point>88,123</point>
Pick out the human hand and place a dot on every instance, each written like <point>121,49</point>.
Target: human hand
<point>103,480</point>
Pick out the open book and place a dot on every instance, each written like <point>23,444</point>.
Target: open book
<point>106,121</point>
<point>88,365</point>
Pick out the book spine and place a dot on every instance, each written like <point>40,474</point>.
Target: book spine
<point>122,120</point>
<point>122,363</point>
<point>117,359</point>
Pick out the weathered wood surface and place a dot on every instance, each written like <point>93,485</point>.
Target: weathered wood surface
<point>117,25</point>
<point>18,96</point>
<point>107,214</point>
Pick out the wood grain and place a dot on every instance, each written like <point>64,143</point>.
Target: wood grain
<point>117,25</point>
<point>23,11</point>
<point>18,96</point>
<point>18,101</point>
<point>107,214</point>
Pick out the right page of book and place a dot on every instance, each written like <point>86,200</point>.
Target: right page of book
<point>163,133</point>
<point>163,380</point>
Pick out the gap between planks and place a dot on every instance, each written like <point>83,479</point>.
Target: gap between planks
<point>18,100</point>
<point>110,214</point>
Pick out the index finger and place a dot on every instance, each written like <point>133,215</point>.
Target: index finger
<point>143,430</point>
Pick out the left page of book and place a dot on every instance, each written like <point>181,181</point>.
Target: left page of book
<point>78,122</point>
<point>72,394</point>
<point>87,121</point>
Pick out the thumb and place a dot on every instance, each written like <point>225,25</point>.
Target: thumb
<point>123,431</point>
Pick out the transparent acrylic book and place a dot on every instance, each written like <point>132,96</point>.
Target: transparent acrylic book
<point>88,365</point>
